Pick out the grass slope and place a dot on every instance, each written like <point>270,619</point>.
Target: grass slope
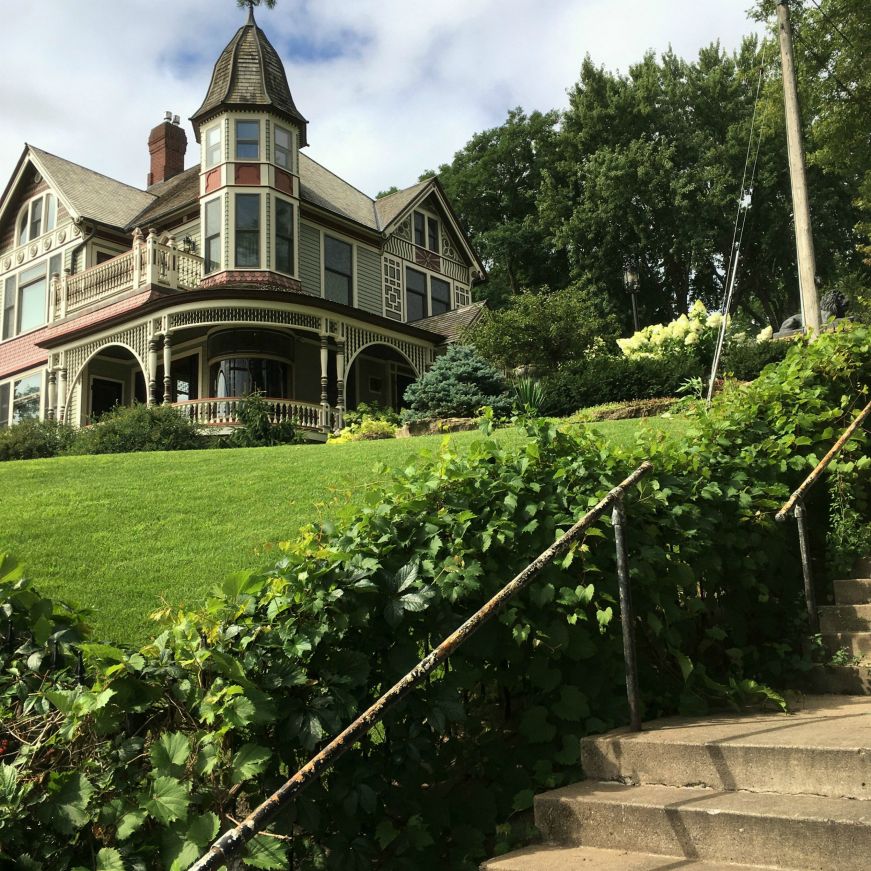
<point>122,533</point>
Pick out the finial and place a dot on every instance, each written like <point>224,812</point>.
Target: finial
<point>251,12</point>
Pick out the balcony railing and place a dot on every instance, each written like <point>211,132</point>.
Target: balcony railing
<point>225,412</point>
<point>149,262</point>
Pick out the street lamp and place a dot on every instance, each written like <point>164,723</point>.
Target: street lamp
<point>632,283</point>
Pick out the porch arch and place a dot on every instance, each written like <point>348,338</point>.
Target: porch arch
<point>86,395</point>
<point>379,377</point>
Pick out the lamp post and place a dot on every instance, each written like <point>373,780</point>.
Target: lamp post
<point>631,283</point>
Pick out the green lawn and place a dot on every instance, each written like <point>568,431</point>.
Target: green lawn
<point>121,533</point>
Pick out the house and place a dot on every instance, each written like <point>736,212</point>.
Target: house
<point>255,269</point>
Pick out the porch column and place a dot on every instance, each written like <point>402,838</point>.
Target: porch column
<point>167,362</point>
<point>62,395</point>
<point>153,342</point>
<point>52,394</point>
<point>325,362</point>
<point>340,383</point>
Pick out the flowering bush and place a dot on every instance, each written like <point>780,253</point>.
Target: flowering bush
<point>696,332</point>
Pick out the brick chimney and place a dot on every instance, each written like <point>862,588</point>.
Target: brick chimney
<point>167,144</point>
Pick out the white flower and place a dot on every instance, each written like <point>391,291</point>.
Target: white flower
<point>715,320</point>
<point>765,335</point>
<point>691,339</point>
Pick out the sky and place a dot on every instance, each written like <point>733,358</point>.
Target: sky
<point>390,88</point>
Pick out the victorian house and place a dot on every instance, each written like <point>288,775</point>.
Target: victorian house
<point>255,269</point>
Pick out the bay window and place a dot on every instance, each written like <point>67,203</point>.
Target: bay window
<point>248,140</point>
<point>248,230</point>
<point>25,298</point>
<point>25,398</point>
<point>284,236</point>
<point>283,148</point>
<point>213,146</point>
<point>212,234</point>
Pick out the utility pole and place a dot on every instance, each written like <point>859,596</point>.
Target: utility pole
<point>804,241</point>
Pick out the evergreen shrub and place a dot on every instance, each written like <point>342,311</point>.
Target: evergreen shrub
<point>459,384</point>
<point>139,758</point>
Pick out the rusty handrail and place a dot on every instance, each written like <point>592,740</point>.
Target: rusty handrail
<point>230,844</point>
<point>799,494</point>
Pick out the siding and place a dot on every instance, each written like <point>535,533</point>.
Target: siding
<point>369,280</point>
<point>310,259</point>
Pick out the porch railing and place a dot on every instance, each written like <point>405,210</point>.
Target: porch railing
<point>795,506</point>
<point>231,843</point>
<point>148,262</point>
<point>225,412</point>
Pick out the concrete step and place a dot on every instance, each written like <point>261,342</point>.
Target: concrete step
<point>793,831</point>
<point>847,680</point>
<point>823,748</point>
<point>856,643</point>
<point>853,591</point>
<point>547,857</point>
<point>845,618</point>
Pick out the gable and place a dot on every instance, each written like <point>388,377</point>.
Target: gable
<point>30,183</point>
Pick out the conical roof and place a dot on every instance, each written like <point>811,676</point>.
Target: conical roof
<point>249,73</point>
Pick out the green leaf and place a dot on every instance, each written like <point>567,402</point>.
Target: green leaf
<point>67,809</point>
<point>385,833</point>
<point>572,704</point>
<point>523,800</point>
<point>604,617</point>
<point>405,577</point>
<point>109,860</point>
<point>168,800</point>
<point>249,761</point>
<point>686,665</point>
<point>130,822</point>
<point>263,852</point>
<point>170,753</point>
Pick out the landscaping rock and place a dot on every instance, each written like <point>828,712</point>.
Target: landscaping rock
<point>436,426</point>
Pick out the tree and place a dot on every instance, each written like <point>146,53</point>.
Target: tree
<point>493,184</point>
<point>269,4</point>
<point>543,330</point>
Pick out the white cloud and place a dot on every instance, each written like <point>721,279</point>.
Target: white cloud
<point>89,80</point>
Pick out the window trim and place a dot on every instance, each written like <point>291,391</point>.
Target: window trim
<point>9,385</point>
<point>425,294</point>
<point>11,314</point>
<point>124,390</point>
<point>430,221</point>
<point>428,276</point>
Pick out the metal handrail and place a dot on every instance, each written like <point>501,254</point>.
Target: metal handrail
<point>795,505</point>
<point>230,844</point>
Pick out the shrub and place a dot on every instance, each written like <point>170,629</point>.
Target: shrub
<point>32,439</point>
<point>528,395</point>
<point>145,757</point>
<point>371,411</point>
<point>604,379</point>
<point>368,429</point>
<point>458,384</point>
<point>127,429</point>
<point>745,360</point>
<point>256,428</point>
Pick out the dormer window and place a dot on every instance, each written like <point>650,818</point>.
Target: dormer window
<point>248,140</point>
<point>37,217</point>
<point>213,146</point>
<point>283,148</point>
<point>426,231</point>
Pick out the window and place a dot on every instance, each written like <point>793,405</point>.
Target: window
<point>248,140</point>
<point>284,236</point>
<point>337,270</point>
<point>415,294</point>
<point>4,405</point>
<point>283,148</point>
<point>426,231</point>
<point>25,398</point>
<point>9,308</point>
<point>213,146</point>
<point>37,217</point>
<point>25,297</point>
<point>32,287</point>
<point>248,230</point>
<point>212,245</point>
<point>440,296</point>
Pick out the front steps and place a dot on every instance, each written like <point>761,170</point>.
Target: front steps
<point>731,791</point>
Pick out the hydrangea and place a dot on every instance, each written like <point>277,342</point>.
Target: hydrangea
<point>765,335</point>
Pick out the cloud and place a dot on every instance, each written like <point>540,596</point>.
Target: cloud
<point>390,87</point>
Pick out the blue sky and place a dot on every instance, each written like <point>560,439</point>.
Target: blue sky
<point>390,87</point>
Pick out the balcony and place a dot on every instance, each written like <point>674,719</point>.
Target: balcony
<point>149,262</point>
